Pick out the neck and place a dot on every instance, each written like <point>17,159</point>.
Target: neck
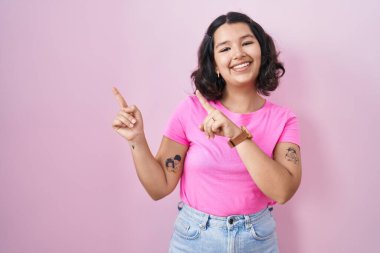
<point>242,99</point>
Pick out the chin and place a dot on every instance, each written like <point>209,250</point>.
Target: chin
<point>241,78</point>
<point>242,81</point>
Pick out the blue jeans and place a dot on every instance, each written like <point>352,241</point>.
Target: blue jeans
<point>196,231</point>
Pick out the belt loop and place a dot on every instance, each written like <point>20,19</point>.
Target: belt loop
<point>180,205</point>
<point>203,224</point>
<point>248,222</point>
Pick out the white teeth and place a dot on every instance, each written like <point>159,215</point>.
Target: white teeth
<point>241,65</point>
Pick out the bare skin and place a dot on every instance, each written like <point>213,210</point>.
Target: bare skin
<point>277,178</point>
<point>158,176</point>
<point>237,57</point>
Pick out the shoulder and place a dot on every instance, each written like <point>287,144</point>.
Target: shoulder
<point>187,105</point>
<point>280,111</point>
<point>190,102</point>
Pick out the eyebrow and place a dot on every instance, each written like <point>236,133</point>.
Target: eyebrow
<point>242,37</point>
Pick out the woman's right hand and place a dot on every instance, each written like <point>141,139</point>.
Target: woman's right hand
<point>128,122</point>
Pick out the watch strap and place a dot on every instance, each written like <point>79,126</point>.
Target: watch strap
<point>245,134</point>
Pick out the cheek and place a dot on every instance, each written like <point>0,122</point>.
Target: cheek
<point>256,52</point>
<point>222,61</point>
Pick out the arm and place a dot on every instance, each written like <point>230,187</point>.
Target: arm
<point>278,178</point>
<point>159,175</point>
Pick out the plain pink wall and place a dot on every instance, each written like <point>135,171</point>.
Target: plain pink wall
<point>67,181</point>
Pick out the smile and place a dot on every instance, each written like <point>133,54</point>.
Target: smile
<point>241,66</point>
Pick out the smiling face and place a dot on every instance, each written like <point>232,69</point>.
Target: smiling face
<point>237,54</point>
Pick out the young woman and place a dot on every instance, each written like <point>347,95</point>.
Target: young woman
<point>236,153</point>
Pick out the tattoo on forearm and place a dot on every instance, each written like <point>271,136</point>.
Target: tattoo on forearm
<point>291,155</point>
<point>173,163</point>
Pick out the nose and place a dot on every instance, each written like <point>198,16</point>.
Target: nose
<point>239,52</point>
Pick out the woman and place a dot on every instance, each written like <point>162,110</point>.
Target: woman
<point>237,153</point>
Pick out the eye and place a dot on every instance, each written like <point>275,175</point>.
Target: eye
<point>247,43</point>
<point>224,49</point>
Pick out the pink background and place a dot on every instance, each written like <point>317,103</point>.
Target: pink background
<point>67,181</point>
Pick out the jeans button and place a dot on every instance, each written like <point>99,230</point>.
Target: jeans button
<point>231,221</point>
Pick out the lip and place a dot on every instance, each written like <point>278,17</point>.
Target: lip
<point>239,63</point>
<point>241,69</point>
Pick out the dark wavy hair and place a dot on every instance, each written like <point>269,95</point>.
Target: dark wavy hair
<point>205,78</point>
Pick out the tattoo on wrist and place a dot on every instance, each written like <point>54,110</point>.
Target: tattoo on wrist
<point>291,155</point>
<point>172,164</point>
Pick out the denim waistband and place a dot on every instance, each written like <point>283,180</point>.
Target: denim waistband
<point>205,219</point>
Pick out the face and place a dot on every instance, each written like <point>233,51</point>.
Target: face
<point>176,163</point>
<point>237,54</point>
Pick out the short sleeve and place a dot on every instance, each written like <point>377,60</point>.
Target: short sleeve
<point>175,127</point>
<point>291,131</point>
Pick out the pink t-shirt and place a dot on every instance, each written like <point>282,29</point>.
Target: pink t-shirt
<point>214,178</point>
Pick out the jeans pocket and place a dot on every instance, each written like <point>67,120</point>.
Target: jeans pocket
<point>186,229</point>
<point>264,228</point>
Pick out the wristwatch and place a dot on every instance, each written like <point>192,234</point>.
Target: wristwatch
<point>245,134</point>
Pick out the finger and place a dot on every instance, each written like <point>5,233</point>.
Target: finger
<point>128,116</point>
<point>215,128</point>
<point>124,120</point>
<point>117,123</point>
<point>208,128</point>
<point>204,102</point>
<point>209,122</point>
<point>129,109</point>
<point>119,98</point>
<point>208,131</point>
<point>133,110</point>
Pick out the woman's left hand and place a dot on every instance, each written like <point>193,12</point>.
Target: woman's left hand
<point>216,123</point>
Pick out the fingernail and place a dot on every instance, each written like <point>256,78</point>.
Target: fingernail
<point>133,121</point>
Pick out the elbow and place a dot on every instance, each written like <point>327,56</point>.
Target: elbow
<point>287,194</point>
<point>156,197</point>
<point>160,194</point>
<point>285,197</point>
<point>282,201</point>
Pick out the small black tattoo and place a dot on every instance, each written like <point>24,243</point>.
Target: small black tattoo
<point>133,146</point>
<point>172,163</point>
<point>292,155</point>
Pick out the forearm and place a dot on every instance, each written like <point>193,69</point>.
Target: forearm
<point>148,169</point>
<point>272,178</point>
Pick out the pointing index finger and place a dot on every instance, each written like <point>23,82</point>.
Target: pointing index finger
<point>206,105</point>
<point>119,98</point>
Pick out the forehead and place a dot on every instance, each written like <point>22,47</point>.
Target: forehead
<point>229,32</point>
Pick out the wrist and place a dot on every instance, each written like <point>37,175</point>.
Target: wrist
<point>138,138</point>
<point>242,136</point>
